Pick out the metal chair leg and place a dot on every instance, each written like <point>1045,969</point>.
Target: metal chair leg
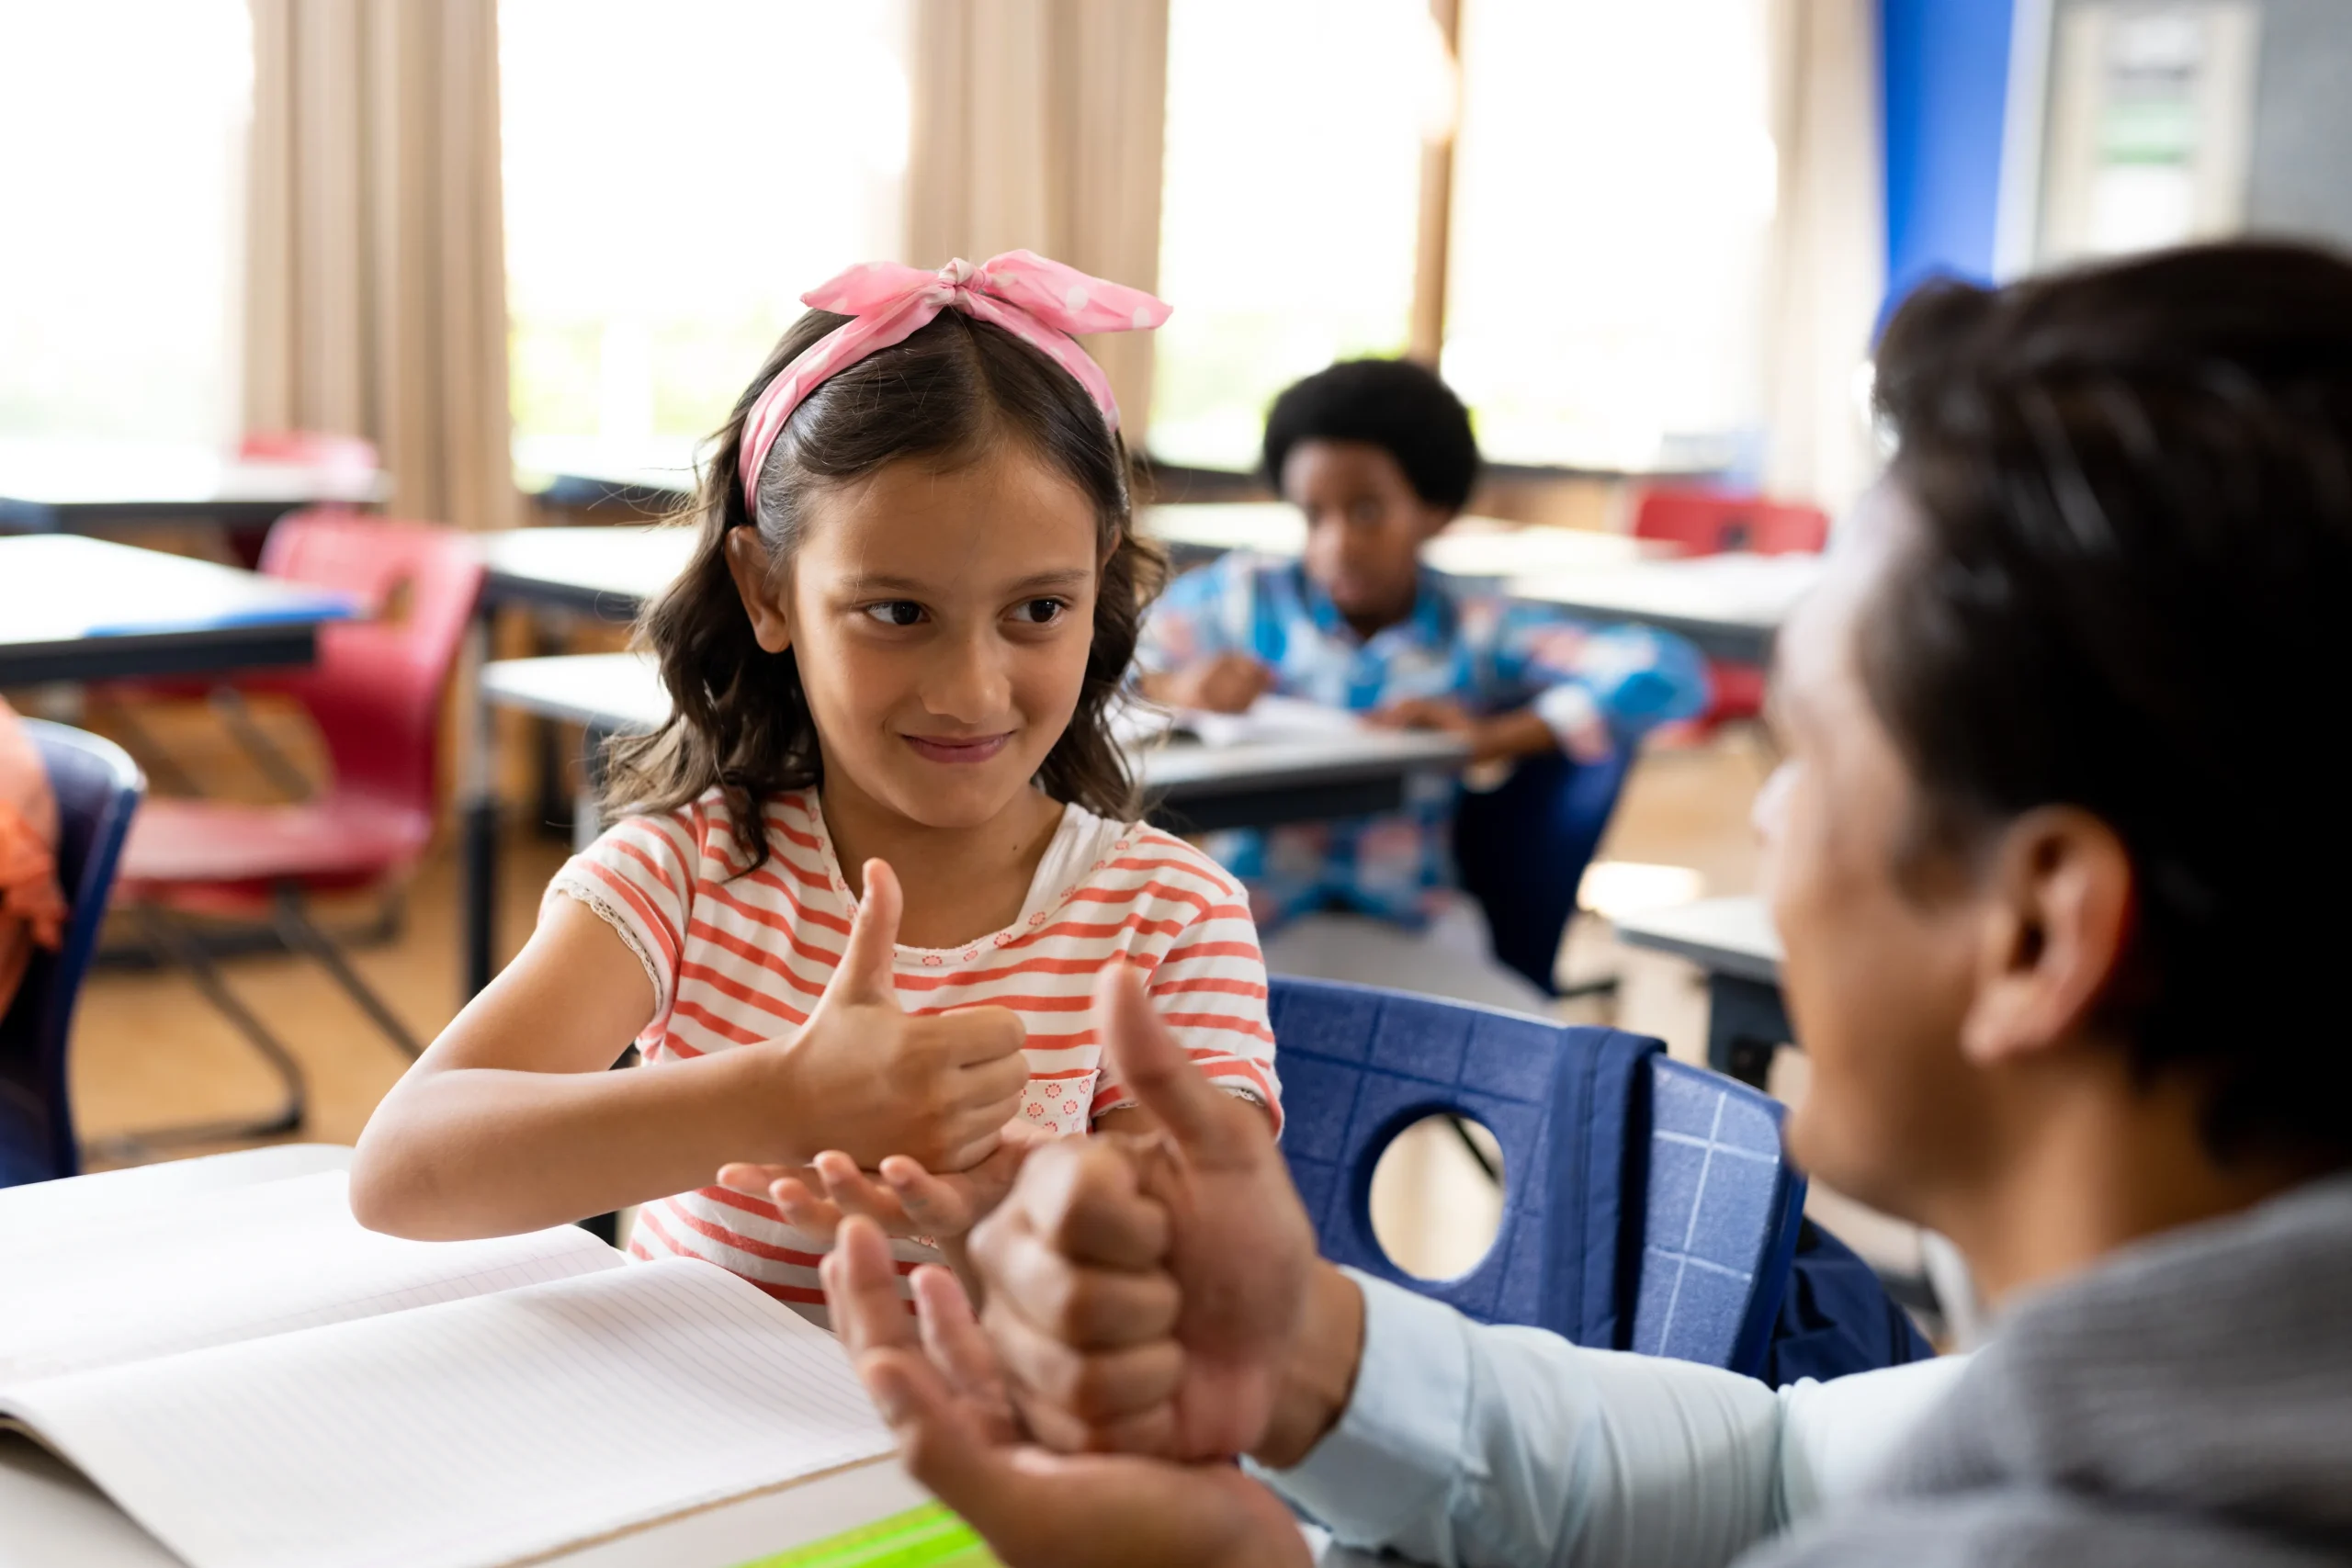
<point>163,768</point>
<point>303,935</point>
<point>275,764</point>
<point>175,946</point>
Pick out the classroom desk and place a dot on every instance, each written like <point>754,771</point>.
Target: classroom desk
<point>1729,605</point>
<point>52,1518</point>
<point>1484,550</point>
<point>1189,788</point>
<point>52,487</point>
<point>1734,941</point>
<point>78,609</point>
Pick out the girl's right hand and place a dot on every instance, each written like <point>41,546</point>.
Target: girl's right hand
<point>866,1077</point>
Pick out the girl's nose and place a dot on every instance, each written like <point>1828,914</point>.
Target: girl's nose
<point>969,682</point>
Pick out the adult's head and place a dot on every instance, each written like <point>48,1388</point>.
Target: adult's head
<point>1379,455</point>
<point>2056,852</point>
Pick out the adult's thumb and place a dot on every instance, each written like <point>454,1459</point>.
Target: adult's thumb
<point>1147,1057</point>
<point>864,975</point>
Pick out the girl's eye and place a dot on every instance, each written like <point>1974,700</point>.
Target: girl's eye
<point>1041,611</point>
<point>896,612</point>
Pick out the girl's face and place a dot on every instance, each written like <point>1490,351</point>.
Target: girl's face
<point>942,619</point>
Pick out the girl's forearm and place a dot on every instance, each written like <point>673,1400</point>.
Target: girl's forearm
<point>481,1151</point>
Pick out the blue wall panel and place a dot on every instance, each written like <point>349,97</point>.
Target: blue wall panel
<point>1944,91</point>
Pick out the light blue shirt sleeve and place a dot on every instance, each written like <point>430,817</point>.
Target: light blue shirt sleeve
<point>1477,1445</point>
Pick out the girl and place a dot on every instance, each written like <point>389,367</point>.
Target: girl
<point>871,864</point>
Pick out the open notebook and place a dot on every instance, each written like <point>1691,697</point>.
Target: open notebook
<point>260,1382</point>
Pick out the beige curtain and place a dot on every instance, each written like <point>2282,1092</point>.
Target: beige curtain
<point>376,275</point>
<point>1037,124</point>
<point>1829,247</point>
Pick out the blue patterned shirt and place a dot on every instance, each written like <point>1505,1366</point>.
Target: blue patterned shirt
<point>1597,687</point>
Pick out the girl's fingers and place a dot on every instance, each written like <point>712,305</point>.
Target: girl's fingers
<point>937,1204</point>
<point>741,1177</point>
<point>804,1211</point>
<point>854,1193</point>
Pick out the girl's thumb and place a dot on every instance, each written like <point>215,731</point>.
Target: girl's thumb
<point>868,957</point>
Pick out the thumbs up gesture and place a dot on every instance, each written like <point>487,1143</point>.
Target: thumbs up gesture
<point>867,1079</point>
<point>1109,1251</point>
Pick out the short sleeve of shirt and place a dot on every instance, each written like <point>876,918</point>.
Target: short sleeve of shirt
<point>1590,682</point>
<point>1210,989</point>
<point>639,876</point>
<point>1195,618</point>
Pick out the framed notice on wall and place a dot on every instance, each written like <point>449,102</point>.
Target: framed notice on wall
<point>2147,127</point>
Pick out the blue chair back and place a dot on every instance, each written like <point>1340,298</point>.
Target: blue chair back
<point>1519,850</point>
<point>1647,1203</point>
<point>97,788</point>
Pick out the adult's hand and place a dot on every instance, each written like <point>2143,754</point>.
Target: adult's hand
<point>937,1384</point>
<point>1070,1259</point>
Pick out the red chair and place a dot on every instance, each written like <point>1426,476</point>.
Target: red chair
<point>375,695</point>
<point>350,456</point>
<point>313,449</point>
<point>1713,523</point>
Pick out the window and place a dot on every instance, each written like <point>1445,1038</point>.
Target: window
<point>1612,205</point>
<point>1289,204</point>
<point>120,277</point>
<point>677,175</point>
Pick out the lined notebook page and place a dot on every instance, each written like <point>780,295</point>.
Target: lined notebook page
<point>240,1264</point>
<point>469,1435</point>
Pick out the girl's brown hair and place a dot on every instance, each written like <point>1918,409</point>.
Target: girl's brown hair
<point>953,391</point>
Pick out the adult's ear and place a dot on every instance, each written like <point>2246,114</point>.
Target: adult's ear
<point>2057,902</point>
<point>748,564</point>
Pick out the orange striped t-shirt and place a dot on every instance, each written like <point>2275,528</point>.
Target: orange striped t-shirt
<point>737,959</point>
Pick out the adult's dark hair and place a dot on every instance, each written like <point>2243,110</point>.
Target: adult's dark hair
<point>1393,404</point>
<point>2130,591</point>
<point>954,390</point>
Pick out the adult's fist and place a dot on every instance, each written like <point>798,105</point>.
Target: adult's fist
<point>1082,1260</point>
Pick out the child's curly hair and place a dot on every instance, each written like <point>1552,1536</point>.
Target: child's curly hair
<point>954,388</point>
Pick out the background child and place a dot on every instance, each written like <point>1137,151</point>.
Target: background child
<point>1379,455</point>
<point>883,845</point>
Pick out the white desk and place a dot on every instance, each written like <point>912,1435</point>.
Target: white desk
<point>79,609</point>
<point>1730,605</point>
<point>1733,941</point>
<point>610,572</point>
<point>1483,548</point>
<point>52,1518</point>
<point>66,486</point>
<point>1192,788</point>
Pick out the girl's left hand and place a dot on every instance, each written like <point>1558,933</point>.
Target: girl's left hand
<point>907,1199</point>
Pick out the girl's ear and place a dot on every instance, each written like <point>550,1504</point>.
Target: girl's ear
<point>747,563</point>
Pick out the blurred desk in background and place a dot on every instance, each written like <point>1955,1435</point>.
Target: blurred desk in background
<point>1188,787</point>
<point>1733,941</point>
<point>1729,605</point>
<point>76,609</point>
<point>1483,548</point>
<point>67,486</point>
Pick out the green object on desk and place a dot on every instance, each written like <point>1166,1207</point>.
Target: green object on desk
<point>928,1537</point>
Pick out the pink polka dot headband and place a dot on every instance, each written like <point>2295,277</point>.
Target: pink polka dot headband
<point>1039,301</point>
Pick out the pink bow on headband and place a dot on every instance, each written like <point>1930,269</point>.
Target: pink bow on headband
<point>1039,301</point>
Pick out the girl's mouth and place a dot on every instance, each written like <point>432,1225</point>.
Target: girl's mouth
<point>978,748</point>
